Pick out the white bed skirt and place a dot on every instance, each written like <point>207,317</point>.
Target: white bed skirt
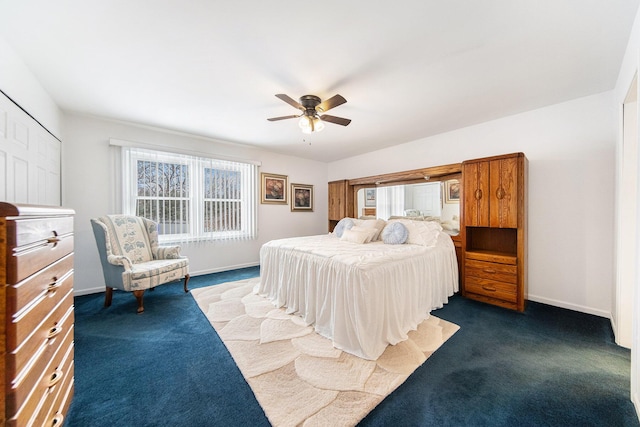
<point>361,296</point>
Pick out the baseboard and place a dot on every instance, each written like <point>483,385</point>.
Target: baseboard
<point>569,306</point>
<point>191,273</point>
<point>614,326</point>
<point>89,291</point>
<point>221,269</point>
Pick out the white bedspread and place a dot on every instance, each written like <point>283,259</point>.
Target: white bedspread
<point>361,296</point>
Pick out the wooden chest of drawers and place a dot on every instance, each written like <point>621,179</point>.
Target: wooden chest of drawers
<point>36,310</point>
<point>492,278</point>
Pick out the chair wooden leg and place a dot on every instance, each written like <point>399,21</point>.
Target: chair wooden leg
<point>139,294</point>
<point>186,280</point>
<point>108,296</point>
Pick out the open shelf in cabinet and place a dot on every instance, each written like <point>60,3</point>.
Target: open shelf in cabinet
<point>492,241</point>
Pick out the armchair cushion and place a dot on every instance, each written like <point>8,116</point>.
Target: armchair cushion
<point>128,236</point>
<point>153,273</point>
<point>167,252</point>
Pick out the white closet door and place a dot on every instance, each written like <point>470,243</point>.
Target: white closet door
<point>29,158</point>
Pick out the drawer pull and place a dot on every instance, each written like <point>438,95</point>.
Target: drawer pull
<point>54,331</point>
<point>500,193</point>
<point>53,240</point>
<point>54,285</point>
<point>489,270</point>
<point>478,194</point>
<point>55,378</point>
<point>57,420</point>
<point>488,288</point>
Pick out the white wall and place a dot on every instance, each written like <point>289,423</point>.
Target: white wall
<point>17,82</point>
<point>571,152</point>
<point>88,188</point>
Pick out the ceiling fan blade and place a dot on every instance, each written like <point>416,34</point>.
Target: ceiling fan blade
<point>330,103</point>
<point>273,119</point>
<point>290,101</point>
<point>333,119</point>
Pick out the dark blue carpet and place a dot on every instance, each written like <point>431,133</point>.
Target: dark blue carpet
<point>167,367</point>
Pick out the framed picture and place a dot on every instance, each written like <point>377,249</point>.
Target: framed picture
<point>301,197</point>
<point>452,191</point>
<point>273,188</point>
<point>370,197</point>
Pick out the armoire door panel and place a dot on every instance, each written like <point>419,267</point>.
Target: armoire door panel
<point>476,194</point>
<point>504,193</point>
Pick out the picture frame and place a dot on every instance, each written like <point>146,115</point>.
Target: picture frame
<point>452,191</point>
<point>301,198</point>
<point>370,197</point>
<point>273,188</point>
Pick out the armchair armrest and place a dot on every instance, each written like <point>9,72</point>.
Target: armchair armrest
<point>167,252</point>
<point>120,260</point>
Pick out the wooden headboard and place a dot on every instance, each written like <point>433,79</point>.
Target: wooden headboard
<point>369,211</point>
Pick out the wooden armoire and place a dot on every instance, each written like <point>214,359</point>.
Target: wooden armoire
<point>340,202</point>
<point>494,230</point>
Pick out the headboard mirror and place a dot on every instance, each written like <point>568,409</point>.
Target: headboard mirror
<point>430,193</point>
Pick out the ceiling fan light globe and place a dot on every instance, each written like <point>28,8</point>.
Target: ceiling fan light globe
<point>311,124</point>
<point>305,123</point>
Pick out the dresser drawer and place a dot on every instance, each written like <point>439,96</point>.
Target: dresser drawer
<point>29,392</point>
<point>56,399</point>
<point>55,417</point>
<point>492,271</point>
<point>27,321</point>
<point>48,333</point>
<point>47,281</point>
<point>25,232</point>
<point>491,288</point>
<point>28,261</point>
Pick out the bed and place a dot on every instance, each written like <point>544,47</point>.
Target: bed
<point>362,296</point>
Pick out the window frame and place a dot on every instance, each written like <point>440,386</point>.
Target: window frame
<point>197,199</point>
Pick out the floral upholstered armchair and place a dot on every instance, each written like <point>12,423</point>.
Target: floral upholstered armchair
<point>131,258</point>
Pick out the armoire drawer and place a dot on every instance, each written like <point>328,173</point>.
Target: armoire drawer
<point>491,288</point>
<point>492,271</point>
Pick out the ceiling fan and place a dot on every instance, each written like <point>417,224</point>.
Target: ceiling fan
<point>313,108</point>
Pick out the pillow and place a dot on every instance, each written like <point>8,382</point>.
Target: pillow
<point>395,233</point>
<point>371,232</point>
<point>343,224</point>
<point>423,233</point>
<point>449,225</point>
<point>354,236</point>
<point>376,224</point>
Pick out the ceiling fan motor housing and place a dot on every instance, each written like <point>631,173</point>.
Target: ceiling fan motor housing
<point>310,102</point>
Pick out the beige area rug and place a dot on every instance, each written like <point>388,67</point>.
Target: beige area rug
<point>297,376</point>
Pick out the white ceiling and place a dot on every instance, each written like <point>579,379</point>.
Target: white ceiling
<point>408,69</point>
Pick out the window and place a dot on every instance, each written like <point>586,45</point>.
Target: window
<point>191,198</point>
